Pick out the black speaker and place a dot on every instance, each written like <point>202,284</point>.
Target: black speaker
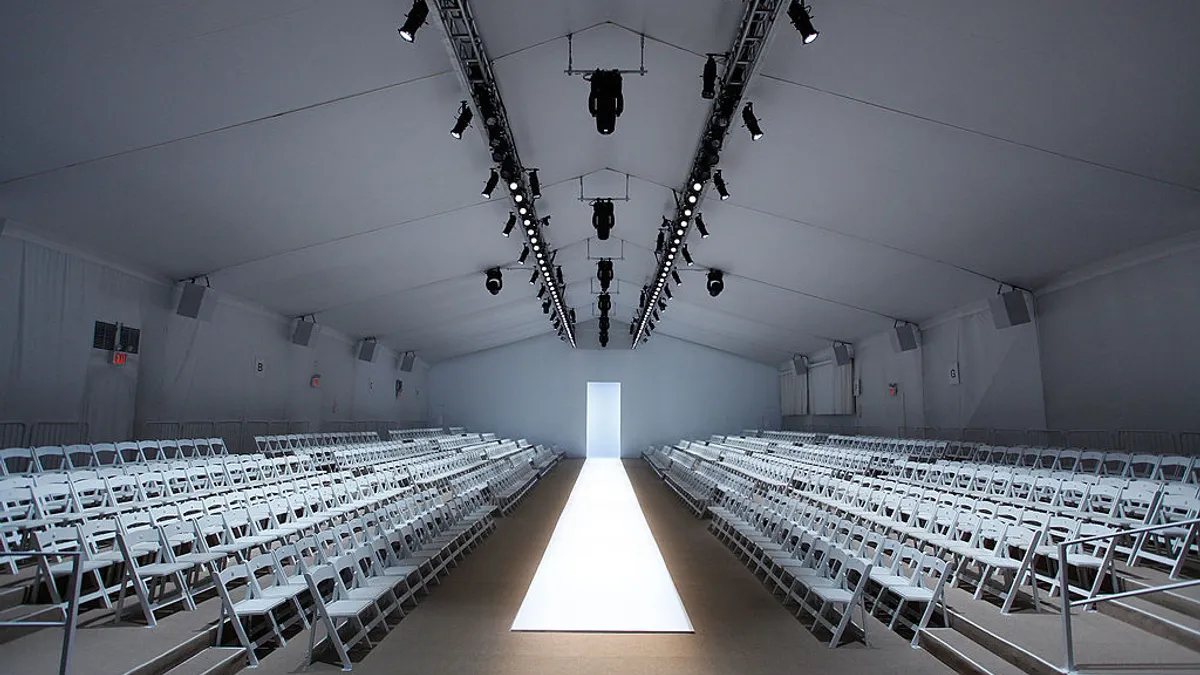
<point>193,300</point>
<point>906,337</point>
<point>842,353</point>
<point>304,332</point>
<point>1010,309</point>
<point>799,364</point>
<point>406,362</point>
<point>366,350</point>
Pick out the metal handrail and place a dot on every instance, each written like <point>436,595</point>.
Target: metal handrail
<point>70,612</point>
<point>1093,599</point>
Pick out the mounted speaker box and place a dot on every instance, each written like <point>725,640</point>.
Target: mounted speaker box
<point>304,332</point>
<point>799,364</point>
<point>195,301</point>
<point>407,361</point>
<point>843,354</point>
<point>1010,309</point>
<point>905,337</point>
<point>366,350</point>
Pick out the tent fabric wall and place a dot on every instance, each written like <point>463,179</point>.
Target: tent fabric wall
<point>670,389</point>
<point>187,369</point>
<point>1121,347</point>
<point>793,393</point>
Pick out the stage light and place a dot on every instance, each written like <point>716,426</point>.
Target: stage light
<point>687,257</point>
<point>518,198</point>
<point>546,306</point>
<point>604,303</point>
<point>558,273</point>
<point>697,186</point>
<point>667,290</point>
<point>603,218</point>
<point>700,227</point>
<point>675,276</point>
<point>604,272</point>
<point>692,199</point>
<point>687,212</point>
<point>508,227</point>
<point>464,120</point>
<point>513,185</point>
<point>414,20</point>
<point>751,122</point>
<point>719,183</point>
<point>494,281</point>
<point>535,185</point>
<point>606,102</point>
<point>802,20</point>
<point>533,278</point>
<point>662,304</point>
<point>709,90</point>
<point>660,243</point>
<point>603,338</point>
<point>716,282</point>
<point>524,255</point>
<point>492,181</point>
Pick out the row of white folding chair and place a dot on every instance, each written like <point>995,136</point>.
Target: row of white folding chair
<point>758,468</point>
<point>60,504</point>
<point>1151,466</point>
<point>77,494</point>
<point>979,532</point>
<point>380,452</point>
<point>831,580</point>
<point>347,571</point>
<point>1106,466</point>
<point>433,471</point>
<point>214,529</point>
<point>229,464</point>
<point>1107,499</point>
<point>15,461</point>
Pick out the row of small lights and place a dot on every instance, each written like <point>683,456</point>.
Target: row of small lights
<point>680,229</point>
<point>536,240</point>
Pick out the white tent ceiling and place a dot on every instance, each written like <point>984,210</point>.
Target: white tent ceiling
<point>296,151</point>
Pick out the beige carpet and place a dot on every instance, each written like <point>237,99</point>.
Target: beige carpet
<point>463,627</point>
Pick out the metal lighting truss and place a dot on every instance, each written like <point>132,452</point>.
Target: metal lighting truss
<point>474,70</point>
<point>742,63</point>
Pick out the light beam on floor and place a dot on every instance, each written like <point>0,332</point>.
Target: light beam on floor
<point>602,570</point>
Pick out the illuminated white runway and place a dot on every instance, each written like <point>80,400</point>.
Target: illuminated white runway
<point>602,570</point>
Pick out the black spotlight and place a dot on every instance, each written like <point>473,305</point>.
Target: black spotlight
<point>533,278</point>
<point>662,305</point>
<point>414,20</point>
<point>606,103</point>
<point>687,256</point>
<point>535,185</point>
<point>512,222</point>
<point>700,226</point>
<point>604,272</point>
<point>604,303</point>
<point>558,273</point>
<point>603,218</point>
<point>722,188</point>
<point>675,276</point>
<point>603,338</point>
<point>464,120</point>
<point>751,122</point>
<point>802,20</point>
<point>658,245</point>
<point>490,187</point>
<point>710,78</point>
<point>667,290</point>
<point>541,292</point>
<point>546,306</point>
<point>494,281</point>
<point>716,282</point>
<point>524,255</point>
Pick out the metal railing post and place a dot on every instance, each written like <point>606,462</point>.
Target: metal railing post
<point>72,612</point>
<point>1068,641</point>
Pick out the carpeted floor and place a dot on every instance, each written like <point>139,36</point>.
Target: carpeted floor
<point>463,627</point>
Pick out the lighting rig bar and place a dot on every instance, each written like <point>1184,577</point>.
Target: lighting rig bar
<point>743,61</point>
<point>474,70</point>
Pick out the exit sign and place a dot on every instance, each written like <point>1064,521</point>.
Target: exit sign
<point>119,358</point>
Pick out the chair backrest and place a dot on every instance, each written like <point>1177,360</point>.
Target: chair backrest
<point>1143,466</point>
<point>129,452</point>
<point>151,450</point>
<point>1174,468</point>
<point>106,454</point>
<point>18,460</point>
<point>80,456</point>
<point>51,458</point>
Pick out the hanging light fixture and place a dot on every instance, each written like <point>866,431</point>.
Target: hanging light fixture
<point>414,20</point>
